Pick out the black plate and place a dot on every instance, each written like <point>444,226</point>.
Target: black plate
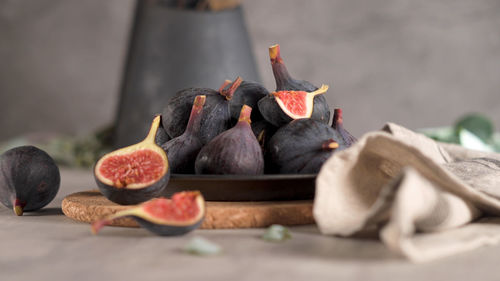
<point>245,188</point>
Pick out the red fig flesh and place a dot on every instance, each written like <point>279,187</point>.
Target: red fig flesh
<point>162,216</point>
<point>135,173</point>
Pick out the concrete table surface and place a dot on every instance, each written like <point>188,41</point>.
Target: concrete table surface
<point>48,246</point>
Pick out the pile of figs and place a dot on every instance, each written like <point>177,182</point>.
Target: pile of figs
<point>239,129</point>
<point>243,129</point>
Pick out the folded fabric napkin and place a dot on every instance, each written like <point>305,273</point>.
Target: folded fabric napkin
<point>426,199</point>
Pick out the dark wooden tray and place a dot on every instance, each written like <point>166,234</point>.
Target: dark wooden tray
<point>245,188</point>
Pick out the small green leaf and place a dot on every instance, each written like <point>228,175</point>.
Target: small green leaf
<point>496,142</point>
<point>471,141</point>
<point>202,247</point>
<point>276,233</point>
<point>442,134</point>
<point>477,124</point>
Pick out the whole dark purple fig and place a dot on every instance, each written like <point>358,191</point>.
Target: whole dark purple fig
<point>268,106</point>
<point>303,145</point>
<point>29,179</point>
<point>216,116</point>
<point>248,93</point>
<point>235,151</point>
<point>182,150</point>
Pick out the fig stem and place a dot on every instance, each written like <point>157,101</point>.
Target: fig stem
<point>245,113</point>
<point>229,92</point>
<point>280,71</point>
<point>152,131</point>
<point>274,53</point>
<point>18,207</point>
<point>224,85</point>
<point>97,225</point>
<point>330,145</point>
<point>18,210</point>
<point>195,116</point>
<point>320,91</point>
<point>337,118</point>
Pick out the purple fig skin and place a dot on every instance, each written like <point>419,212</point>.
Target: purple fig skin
<point>248,93</point>
<point>216,111</point>
<point>182,150</point>
<point>235,151</point>
<point>343,135</point>
<point>29,179</point>
<point>263,131</point>
<point>268,106</point>
<point>161,136</point>
<point>302,146</point>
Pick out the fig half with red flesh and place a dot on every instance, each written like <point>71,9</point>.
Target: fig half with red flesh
<point>281,107</point>
<point>235,151</point>
<point>284,81</point>
<point>135,173</point>
<point>166,217</point>
<point>216,111</point>
<point>182,150</point>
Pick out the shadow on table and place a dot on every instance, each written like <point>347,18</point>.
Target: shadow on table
<point>45,212</point>
<point>362,247</point>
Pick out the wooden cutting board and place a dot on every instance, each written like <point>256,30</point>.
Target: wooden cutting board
<point>91,205</point>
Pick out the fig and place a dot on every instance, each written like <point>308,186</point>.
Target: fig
<point>166,217</point>
<point>248,93</point>
<point>268,105</point>
<point>135,173</point>
<point>290,105</point>
<point>235,151</point>
<point>29,179</point>
<point>342,135</point>
<point>182,150</point>
<point>161,136</point>
<point>303,145</point>
<point>263,131</point>
<point>216,117</point>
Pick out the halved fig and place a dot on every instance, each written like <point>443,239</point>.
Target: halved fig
<point>135,173</point>
<point>166,217</point>
<point>285,82</point>
<point>281,107</point>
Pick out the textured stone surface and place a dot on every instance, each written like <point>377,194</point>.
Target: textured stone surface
<point>49,246</point>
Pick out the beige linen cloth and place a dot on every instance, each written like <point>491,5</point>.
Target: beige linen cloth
<point>426,199</point>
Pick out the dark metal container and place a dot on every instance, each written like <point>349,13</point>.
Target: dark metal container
<point>171,49</point>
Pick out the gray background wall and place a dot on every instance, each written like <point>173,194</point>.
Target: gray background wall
<point>417,63</point>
